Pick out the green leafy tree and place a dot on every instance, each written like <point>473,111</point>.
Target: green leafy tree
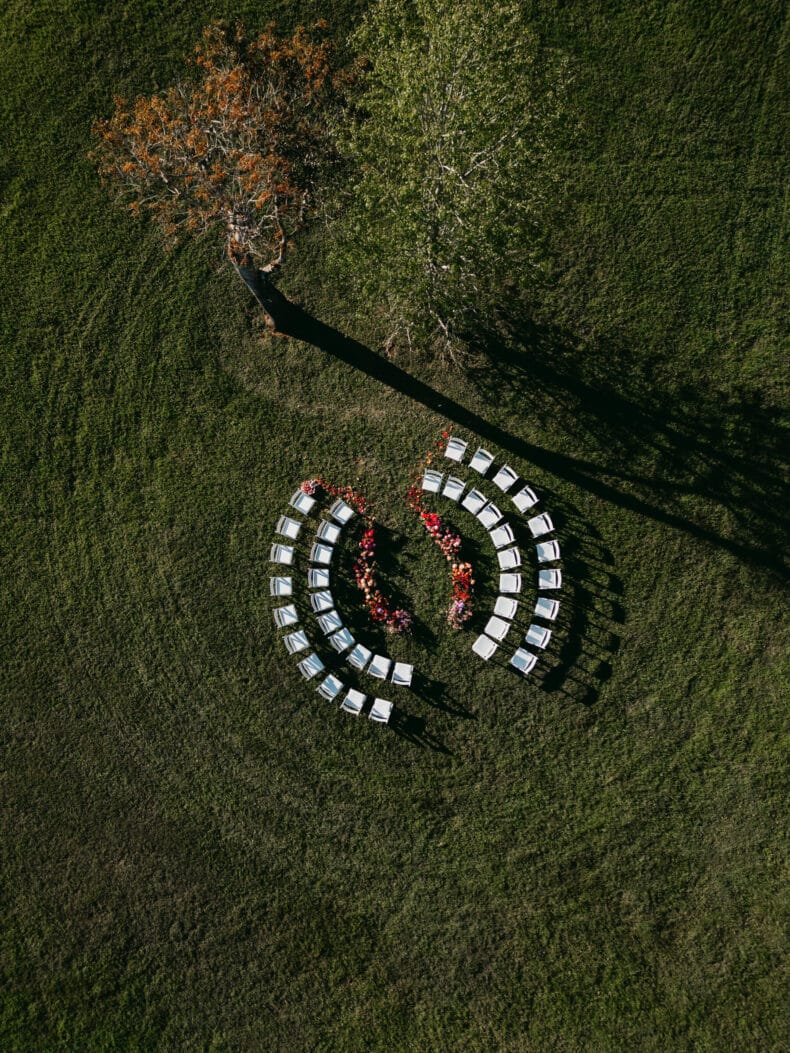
<point>453,149</point>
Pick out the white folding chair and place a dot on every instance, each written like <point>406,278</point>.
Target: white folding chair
<point>497,628</point>
<point>546,608</point>
<point>341,512</point>
<point>317,578</point>
<point>503,535</point>
<point>321,553</point>
<point>549,579</point>
<point>453,488</point>
<point>281,554</point>
<point>380,666</point>
<point>537,636</point>
<point>432,481</point>
<point>505,607</point>
<point>302,502</point>
<point>508,558</point>
<point>402,674</point>
<point>510,583</point>
<point>484,647</point>
<point>321,601</point>
<point>341,641</point>
<point>525,499</point>
<point>482,461</point>
<point>288,527</point>
<point>489,516</point>
<point>359,657</point>
<point>285,616</point>
<point>328,532</point>
<point>381,710</point>
<point>308,667</point>
<point>280,586</point>
<point>456,448</point>
<point>505,478</point>
<point>547,551</point>
<point>330,622</point>
<point>330,688</point>
<point>296,642</point>
<point>524,660</point>
<point>540,525</point>
<point>474,501</point>
<point>353,702</point>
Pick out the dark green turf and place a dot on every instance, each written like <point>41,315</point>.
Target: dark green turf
<point>198,853</point>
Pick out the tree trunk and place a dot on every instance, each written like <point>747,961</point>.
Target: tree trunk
<point>278,309</point>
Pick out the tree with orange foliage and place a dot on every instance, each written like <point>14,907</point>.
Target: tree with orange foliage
<point>241,148</point>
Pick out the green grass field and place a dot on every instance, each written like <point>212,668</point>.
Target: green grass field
<point>198,852</point>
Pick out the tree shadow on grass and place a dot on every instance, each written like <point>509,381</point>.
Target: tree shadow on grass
<point>674,444</point>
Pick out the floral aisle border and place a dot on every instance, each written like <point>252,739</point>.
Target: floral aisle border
<point>449,542</point>
<point>380,608</point>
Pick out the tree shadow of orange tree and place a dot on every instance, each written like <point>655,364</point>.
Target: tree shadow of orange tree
<point>732,456</point>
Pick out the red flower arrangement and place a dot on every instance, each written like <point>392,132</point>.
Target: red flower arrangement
<point>449,543</point>
<point>380,609</point>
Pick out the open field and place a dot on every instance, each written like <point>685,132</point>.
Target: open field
<point>197,852</point>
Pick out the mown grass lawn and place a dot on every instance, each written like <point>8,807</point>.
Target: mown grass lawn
<point>198,853</point>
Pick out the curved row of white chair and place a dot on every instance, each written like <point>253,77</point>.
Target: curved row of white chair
<point>501,534</point>
<point>323,607</point>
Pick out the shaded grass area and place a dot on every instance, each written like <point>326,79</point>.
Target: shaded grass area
<point>197,852</point>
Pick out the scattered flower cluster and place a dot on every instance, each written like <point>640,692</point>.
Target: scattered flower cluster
<point>449,543</point>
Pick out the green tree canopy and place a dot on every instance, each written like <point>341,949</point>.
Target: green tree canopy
<point>453,149</point>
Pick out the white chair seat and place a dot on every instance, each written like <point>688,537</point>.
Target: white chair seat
<point>502,536</point>
<point>328,532</point>
<point>341,641</point>
<point>549,579</point>
<point>296,642</point>
<point>302,502</point>
<point>510,583</point>
<point>281,554</point>
<point>330,688</point>
<point>524,660</point>
<point>540,525</point>
<point>359,657</point>
<point>321,601</point>
<point>321,553</point>
<point>474,501</point>
<point>341,511</point>
<point>525,499</point>
<point>538,636</point>
<point>280,586</point>
<point>505,607</point>
<point>380,711</point>
<point>285,616</point>
<point>308,667</point>
<point>546,608</point>
<point>489,516</point>
<point>547,551</point>
<point>484,647</point>
<point>353,702</point>
<point>453,488</point>
<point>380,666</point>
<point>456,448</point>
<point>508,558</point>
<point>497,628</point>
<point>505,478</point>
<point>288,527</point>
<point>432,481</point>
<point>317,578</point>
<point>330,622</point>
<point>402,674</point>
<point>481,461</point>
